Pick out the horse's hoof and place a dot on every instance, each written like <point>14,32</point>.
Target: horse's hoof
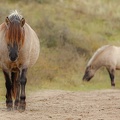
<point>21,108</point>
<point>15,107</point>
<point>9,106</point>
<point>113,87</point>
<point>9,109</point>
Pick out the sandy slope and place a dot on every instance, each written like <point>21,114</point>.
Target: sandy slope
<point>66,105</point>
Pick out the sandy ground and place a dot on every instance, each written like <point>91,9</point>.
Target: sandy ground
<point>66,105</point>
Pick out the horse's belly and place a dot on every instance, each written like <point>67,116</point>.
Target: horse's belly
<point>118,67</point>
<point>34,56</point>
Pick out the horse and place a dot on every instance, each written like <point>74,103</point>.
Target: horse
<point>107,56</point>
<point>19,50</point>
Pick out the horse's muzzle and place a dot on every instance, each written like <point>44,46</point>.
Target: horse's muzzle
<point>13,58</point>
<point>86,78</point>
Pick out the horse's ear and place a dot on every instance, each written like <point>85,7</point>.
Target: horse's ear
<point>7,20</point>
<point>22,22</point>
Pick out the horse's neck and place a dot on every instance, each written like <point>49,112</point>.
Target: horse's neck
<point>96,64</point>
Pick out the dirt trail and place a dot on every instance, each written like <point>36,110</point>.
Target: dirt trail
<point>66,105</point>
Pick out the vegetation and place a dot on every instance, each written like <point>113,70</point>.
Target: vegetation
<point>70,31</point>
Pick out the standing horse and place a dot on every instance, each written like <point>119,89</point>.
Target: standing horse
<point>19,50</point>
<point>107,56</point>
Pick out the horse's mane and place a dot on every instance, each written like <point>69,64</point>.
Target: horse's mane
<point>15,13</point>
<point>97,53</point>
<point>14,33</point>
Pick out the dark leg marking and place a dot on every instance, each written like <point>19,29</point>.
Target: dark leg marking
<point>9,102</point>
<point>23,81</point>
<point>112,76</point>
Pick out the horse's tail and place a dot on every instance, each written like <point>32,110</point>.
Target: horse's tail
<point>14,77</point>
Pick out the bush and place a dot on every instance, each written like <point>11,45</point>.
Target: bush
<point>38,1</point>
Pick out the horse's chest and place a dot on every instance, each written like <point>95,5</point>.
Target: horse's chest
<point>14,66</point>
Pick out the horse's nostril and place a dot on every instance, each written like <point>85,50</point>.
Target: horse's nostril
<point>12,59</point>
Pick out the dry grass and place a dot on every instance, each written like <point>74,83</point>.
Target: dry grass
<point>69,31</point>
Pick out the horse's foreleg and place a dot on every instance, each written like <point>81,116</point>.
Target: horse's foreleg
<point>23,81</point>
<point>112,76</point>
<point>8,84</point>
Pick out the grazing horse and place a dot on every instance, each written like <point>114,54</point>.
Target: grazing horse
<point>107,56</point>
<point>19,50</point>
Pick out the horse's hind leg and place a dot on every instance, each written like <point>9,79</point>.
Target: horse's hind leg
<point>9,102</point>
<point>23,81</point>
<point>112,76</point>
<point>17,100</point>
<point>16,87</point>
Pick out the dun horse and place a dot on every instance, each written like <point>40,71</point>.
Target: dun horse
<point>107,56</point>
<point>19,50</point>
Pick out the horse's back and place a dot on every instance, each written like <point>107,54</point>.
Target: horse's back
<point>107,55</point>
<point>99,54</point>
<point>110,56</point>
<point>111,53</point>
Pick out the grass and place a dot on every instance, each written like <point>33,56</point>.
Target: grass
<point>74,82</point>
<point>70,31</point>
<point>2,87</point>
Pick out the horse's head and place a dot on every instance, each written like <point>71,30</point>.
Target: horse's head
<point>14,35</point>
<point>89,73</point>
